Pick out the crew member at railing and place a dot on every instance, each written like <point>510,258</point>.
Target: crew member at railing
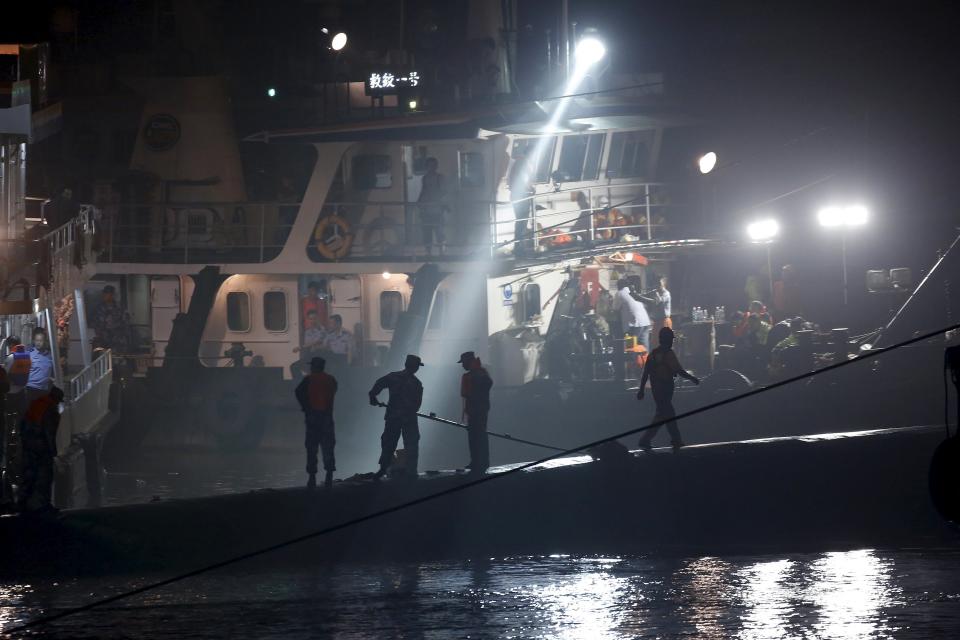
<point>431,205</point>
<point>41,376</point>
<point>110,322</point>
<point>61,209</point>
<point>521,189</point>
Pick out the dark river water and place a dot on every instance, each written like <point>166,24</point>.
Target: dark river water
<point>852,594</point>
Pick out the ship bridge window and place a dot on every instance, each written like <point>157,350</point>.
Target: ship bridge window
<point>439,309</point>
<point>530,299</point>
<point>371,172</point>
<point>544,147</point>
<point>471,170</point>
<point>580,157</point>
<point>238,311</point>
<point>275,311</point>
<point>630,154</point>
<point>391,306</point>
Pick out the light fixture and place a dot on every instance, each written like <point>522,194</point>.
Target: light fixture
<point>412,105</point>
<point>272,92</point>
<point>386,275</point>
<point>763,230</point>
<point>848,216</point>
<point>589,51</point>
<point>707,162</point>
<point>339,41</point>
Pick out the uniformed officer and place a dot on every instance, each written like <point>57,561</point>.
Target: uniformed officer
<point>315,393</point>
<point>475,388</point>
<point>406,394</point>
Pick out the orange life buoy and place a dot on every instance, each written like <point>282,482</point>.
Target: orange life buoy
<point>332,237</point>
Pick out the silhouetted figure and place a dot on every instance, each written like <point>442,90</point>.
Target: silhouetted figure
<point>475,388</point>
<point>662,365</point>
<point>110,322</point>
<point>315,393</point>
<point>430,203</point>
<point>406,394</point>
<point>38,441</point>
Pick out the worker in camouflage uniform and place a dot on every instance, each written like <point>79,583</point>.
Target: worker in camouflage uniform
<point>406,394</point>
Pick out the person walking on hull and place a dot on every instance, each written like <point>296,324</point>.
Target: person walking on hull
<point>475,388</point>
<point>406,395</point>
<point>38,438</point>
<point>315,393</point>
<point>662,365</point>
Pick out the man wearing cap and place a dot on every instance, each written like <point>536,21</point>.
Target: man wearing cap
<point>406,394</point>
<point>475,390</point>
<point>315,394</point>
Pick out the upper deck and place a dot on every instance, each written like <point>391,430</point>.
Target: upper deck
<point>364,210</point>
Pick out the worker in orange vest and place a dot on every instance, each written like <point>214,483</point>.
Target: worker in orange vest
<point>315,393</point>
<point>38,442</point>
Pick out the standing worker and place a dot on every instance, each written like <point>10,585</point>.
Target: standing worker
<point>406,394</point>
<point>315,394</point>
<point>633,315</point>
<point>38,438</point>
<point>475,388</point>
<point>41,375</point>
<point>662,365</point>
<point>660,306</point>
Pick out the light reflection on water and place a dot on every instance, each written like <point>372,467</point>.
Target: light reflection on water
<point>855,594</point>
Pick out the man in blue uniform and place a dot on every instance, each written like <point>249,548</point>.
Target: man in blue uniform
<point>406,394</point>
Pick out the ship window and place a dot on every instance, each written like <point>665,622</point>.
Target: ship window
<point>531,301</point>
<point>529,146</point>
<point>371,172</point>
<point>471,169</point>
<point>629,155</point>
<point>238,311</point>
<point>437,312</point>
<point>580,157</point>
<point>275,311</point>
<point>391,306</point>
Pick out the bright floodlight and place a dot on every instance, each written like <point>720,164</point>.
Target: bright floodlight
<point>339,41</point>
<point>851,216</point>
<point>763,230</point>
<point>386,275</point>
<point>271,92</point>
<point>707,162</point>
<point>856,215</point>
<point>590,51</point>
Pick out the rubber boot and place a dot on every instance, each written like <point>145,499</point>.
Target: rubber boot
<point>312,481</point>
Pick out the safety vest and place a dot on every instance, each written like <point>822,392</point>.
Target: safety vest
<point>19,369</point>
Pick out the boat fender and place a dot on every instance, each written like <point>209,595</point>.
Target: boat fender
<point>333,238</point>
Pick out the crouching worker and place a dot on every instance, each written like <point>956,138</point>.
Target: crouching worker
<point>38,438</point>
<point>315,394</point>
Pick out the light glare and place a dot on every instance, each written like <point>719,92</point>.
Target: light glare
<point>707,162</point>
<point>339,41</point>
<point>590,51</point>
<point>271,92</point>
<point>762,230</point>
<point>386,275</point>
<point>850,216</point>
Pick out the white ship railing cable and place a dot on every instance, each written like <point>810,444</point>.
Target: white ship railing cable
<point>467,485</point>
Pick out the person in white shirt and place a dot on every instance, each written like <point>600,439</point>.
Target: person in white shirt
<point>633,315</point>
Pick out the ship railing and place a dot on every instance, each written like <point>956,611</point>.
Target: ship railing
<point>246,232</point>
<point>90,376</point>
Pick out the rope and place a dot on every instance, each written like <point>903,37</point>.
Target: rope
<point>461,487</point>
<point>505,436</point>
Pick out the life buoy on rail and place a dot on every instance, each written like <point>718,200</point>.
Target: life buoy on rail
<point>332,237</point>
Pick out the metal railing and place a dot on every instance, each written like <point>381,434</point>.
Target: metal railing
<point>257,232</point>
<point>88,378</point>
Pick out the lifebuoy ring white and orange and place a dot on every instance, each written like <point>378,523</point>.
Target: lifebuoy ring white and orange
<point>332,237</point>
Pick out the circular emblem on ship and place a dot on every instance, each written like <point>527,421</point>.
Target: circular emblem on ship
<point>161,132</point>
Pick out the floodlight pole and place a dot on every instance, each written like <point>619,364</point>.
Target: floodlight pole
<point>843,261</point>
